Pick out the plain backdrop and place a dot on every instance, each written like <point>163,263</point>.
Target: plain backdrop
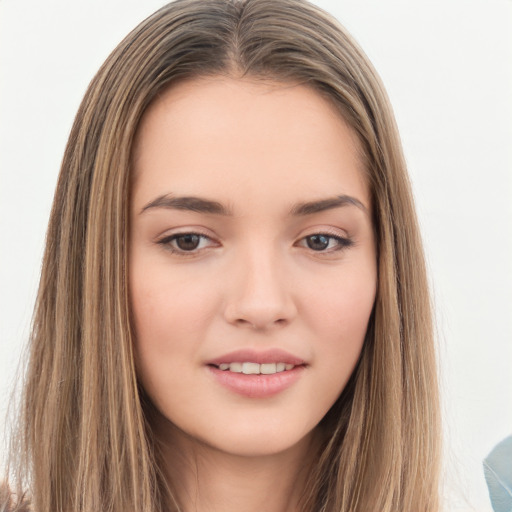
<point>447,66</point>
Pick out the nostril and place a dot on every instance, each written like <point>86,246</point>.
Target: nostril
<point>242,322</point>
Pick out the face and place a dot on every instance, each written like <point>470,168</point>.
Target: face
<point>252,262</point>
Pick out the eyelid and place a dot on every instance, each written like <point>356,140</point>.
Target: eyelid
<point>345,241</point>
<point>184,230</point>
<point>170,235</point>
<point>325,230</point>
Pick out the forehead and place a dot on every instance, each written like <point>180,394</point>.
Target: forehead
<point>226,135</point>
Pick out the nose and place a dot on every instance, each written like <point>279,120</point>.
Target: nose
<point>260,295</point>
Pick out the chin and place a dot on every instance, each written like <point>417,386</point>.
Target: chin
<point>262,443</point>
<point>241,438</point>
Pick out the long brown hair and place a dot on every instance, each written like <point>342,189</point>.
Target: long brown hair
<point>85,435</point>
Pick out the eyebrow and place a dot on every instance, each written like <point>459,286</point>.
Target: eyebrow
<point>190,203</point>
<point>200,205</point>
<point>322,205</point>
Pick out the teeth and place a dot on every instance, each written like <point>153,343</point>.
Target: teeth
<point>268,368</point>
<point>249,368</point>
<point>235,367</point>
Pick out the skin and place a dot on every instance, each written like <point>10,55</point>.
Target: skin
<point>258,279</point>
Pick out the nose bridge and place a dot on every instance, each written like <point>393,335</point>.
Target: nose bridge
<point>260,293</point>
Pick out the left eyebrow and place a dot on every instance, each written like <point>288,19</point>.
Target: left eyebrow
<point>190,203</point>
<point>322,205</point>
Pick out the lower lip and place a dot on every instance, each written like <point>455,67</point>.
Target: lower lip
<point>257,386</point>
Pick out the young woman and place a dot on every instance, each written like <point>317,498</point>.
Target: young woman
<point>233,311</point>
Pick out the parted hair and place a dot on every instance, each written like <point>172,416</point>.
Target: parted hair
<point>84,440</point>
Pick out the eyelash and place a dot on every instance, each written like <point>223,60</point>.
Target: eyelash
<point>342,243</point>
<point>168,241</point>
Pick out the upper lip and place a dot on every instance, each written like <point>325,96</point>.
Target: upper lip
<point>274,355</point>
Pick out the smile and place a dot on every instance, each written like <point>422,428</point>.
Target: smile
<point>257,373</point>
<point>249,368</point>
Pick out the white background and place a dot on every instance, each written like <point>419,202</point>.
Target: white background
<point>447,65</point>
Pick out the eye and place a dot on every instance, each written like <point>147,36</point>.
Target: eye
<point>186,242</point>
<point>321,242</point>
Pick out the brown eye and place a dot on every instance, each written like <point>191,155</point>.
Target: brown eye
<point>318,242</point>
<point>182,243</point>
<point>187,242</point>
<point>323,242</point>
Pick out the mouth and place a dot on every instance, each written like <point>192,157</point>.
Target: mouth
<point>250,368</point>
<point>257,374</point>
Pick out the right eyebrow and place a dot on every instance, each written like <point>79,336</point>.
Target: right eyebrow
<point>312,207</point>
<point>190,203</point>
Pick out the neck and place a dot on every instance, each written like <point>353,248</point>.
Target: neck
<point>205,479</point>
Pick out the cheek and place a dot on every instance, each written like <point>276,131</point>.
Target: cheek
<point>339,313</point>
<point>168,304</point>
<point>171,314</point>
<point>170,319</point>
<point>344,302</point>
